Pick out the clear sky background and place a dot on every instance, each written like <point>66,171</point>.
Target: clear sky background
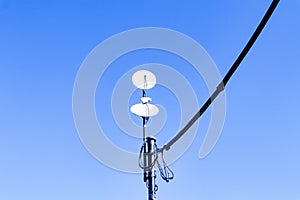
<point>42,45</point>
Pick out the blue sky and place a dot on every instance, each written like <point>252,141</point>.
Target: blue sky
<point>42,46</point>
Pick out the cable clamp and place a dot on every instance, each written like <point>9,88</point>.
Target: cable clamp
<point>220,87</point>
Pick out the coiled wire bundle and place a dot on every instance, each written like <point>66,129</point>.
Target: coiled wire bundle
<point>165,172</point>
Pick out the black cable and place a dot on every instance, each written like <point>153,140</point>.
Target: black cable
<point>165,172</point>
<point>231,71</point>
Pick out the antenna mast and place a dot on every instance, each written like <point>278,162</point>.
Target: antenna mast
<point>145,80</point>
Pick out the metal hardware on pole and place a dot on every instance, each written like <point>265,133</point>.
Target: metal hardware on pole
<point>149,166</point>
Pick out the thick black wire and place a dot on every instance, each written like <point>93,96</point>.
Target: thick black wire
<point>225,80</point>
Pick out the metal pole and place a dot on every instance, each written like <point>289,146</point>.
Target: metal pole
<point>145,151</point>
<point>149,165</point>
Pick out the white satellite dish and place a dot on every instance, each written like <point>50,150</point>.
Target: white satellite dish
<point>144,109</point>
<point>144,79</point>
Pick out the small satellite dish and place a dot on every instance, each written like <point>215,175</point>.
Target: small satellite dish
<point>144,79</point>
<point>144,110</point>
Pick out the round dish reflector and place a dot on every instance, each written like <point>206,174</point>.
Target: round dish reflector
<point>144,110</point>
<point>144,79</point>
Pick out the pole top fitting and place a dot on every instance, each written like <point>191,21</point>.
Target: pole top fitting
<point>151,138</point>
